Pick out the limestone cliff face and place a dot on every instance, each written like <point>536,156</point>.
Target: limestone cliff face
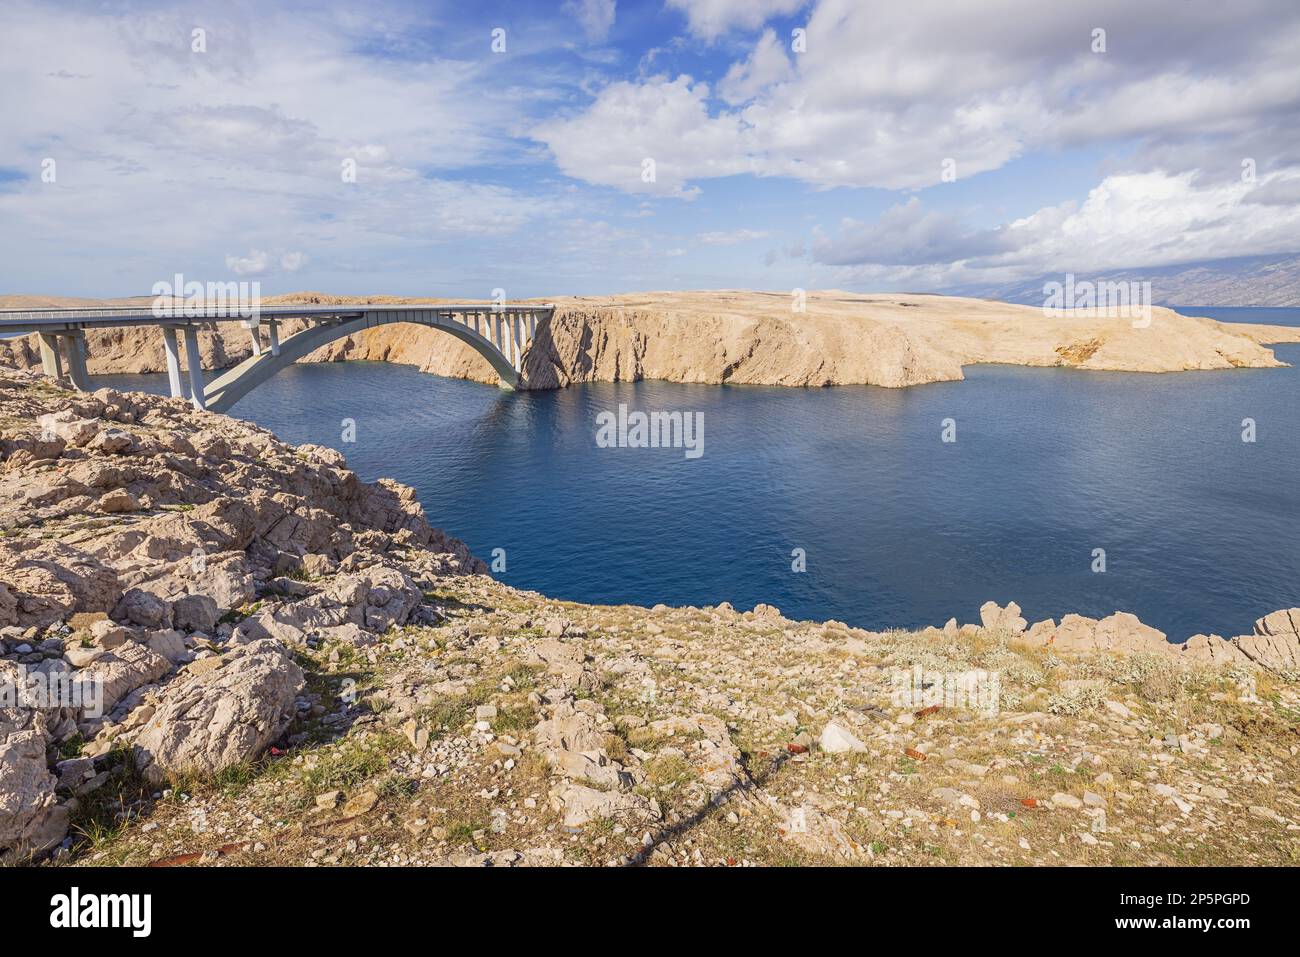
<point>605,344</point>
<point>754,338</point>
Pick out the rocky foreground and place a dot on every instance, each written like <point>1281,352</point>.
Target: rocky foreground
<point>296,669</point>
<point>743,337</point>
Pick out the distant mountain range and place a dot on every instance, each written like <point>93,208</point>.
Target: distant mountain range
<point>1245,281</point>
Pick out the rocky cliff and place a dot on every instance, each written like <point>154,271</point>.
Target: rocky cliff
<point>755,338</point>
<point>276,663</point>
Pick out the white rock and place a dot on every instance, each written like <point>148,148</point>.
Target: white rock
<point>836,739</point>
<point>1117,708</point>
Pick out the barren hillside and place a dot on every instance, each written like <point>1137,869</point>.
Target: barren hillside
<point>746,337</point>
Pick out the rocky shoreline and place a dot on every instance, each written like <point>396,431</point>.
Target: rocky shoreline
<point>290,666</point>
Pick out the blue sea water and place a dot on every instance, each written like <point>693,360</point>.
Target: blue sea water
<point>1201,530</point>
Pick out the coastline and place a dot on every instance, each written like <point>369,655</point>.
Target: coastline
<point>726,336</point>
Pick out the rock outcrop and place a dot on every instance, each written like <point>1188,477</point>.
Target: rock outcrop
<point>205,723</point>
<point>31,819</point>
<point>1120,632</point>
<point>152,614</point>
<point>1274,645</point>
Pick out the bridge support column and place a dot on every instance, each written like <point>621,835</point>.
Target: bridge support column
<point>256,335</point>
<point>195,365</point>
<point>273,333</point>
<point>75,343</point>
<point>532,326</point>
<point>173,362</point>
<point>51,361</point>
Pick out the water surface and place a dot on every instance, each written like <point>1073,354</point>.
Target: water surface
<point>1201,530</point>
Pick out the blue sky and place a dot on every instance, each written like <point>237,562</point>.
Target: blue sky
<point>131,151</point>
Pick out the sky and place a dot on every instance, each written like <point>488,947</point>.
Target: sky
<point>597,146</point>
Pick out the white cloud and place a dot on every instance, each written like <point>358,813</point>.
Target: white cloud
<point>731,237</point>
<point>766,66</point>
<point>190,161</point>
<point>258,262</point>
<point>255,263</point>
<point>709,19</point>
<point>1133,219</point>
<point>183,157</point>
<point>595,16</point>
<point>885,93</point>
<point>660,120</point>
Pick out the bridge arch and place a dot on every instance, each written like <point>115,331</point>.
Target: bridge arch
<point>507,335</point>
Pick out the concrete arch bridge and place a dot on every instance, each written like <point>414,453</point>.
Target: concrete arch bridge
<point>499,333</point>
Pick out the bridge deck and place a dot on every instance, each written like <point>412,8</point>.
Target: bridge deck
<point>17,321</point>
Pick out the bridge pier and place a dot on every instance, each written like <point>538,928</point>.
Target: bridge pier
<point>273,333</point>
<point>255,334</point>
<point>51,361</point>
<point>195,366</point>
<point>75,344</point>
<point>173,361</point>
<point>520,330</point>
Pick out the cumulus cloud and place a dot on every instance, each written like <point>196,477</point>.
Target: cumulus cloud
<point>766,66</point>
<point>885,93</point>
<point>231,160</point>
<point>663,121</point>
<point>259,262</point>
<point>1148,219</point>
<point>188,158</point>
<point>255,263</point>
<point>709,19</point>
<point>1281,190</point>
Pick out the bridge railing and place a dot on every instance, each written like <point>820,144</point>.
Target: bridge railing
<point>234,312</point>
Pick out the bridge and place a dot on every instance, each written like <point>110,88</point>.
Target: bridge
<point>501,334</point>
